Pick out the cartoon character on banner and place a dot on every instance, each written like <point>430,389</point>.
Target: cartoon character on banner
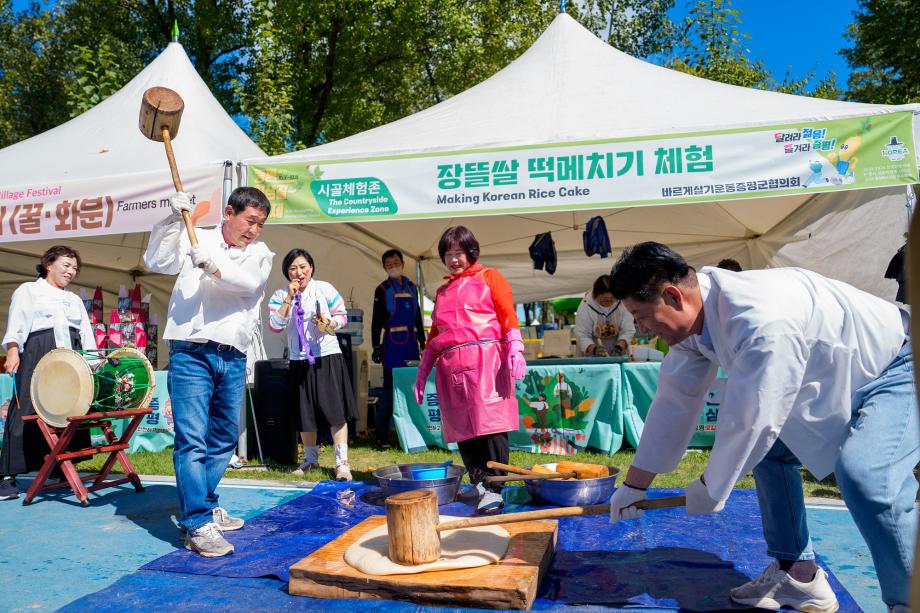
<point>541,408</point>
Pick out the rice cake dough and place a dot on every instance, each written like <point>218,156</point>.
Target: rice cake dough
<point>463,548</point>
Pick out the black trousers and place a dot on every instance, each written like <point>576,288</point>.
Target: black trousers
<point>24,447</point>
<point>478,450</point>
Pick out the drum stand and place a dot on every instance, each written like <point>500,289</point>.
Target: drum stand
<point>59,438</point>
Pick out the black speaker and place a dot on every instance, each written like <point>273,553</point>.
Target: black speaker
<point>274,416</point>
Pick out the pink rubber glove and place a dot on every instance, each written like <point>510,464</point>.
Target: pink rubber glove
<point>516,361</point>
<point>424,368</point>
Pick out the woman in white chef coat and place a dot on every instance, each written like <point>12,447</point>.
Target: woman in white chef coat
<point>43,316</point>
<point>819,373</point>
<point>603,326</point>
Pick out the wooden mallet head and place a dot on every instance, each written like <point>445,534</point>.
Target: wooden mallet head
<point>161,109</point>
<point>412,527</point>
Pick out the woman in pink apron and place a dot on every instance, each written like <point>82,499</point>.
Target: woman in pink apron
<point>476,343</point>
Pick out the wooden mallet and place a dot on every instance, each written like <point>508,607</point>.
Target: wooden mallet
<point>161,111</point>
<point>413,529</point>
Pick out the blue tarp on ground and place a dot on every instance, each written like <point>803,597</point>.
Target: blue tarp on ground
<point>666,559</point>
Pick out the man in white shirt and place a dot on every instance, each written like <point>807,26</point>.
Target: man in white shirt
<point>212,312</point>
<point>819,373</point>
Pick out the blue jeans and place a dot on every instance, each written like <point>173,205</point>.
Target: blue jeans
<point>206,390</point>
<point>875,475</point>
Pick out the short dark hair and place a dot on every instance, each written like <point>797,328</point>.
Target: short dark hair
<point>729,264</point>
<point>242,197</point>
<point>292,255</point>
<point>602,285</point>
<point>58,251</point>
<point>463,237</point>
<point>390,253</point>
<point>643,269</point>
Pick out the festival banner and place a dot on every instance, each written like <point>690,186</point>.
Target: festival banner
<point>113,205</point>
<point>778,160</point>
<point>562,410</point>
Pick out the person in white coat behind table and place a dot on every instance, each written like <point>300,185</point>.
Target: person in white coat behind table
<point>603,326</point>
<point>819,373</point>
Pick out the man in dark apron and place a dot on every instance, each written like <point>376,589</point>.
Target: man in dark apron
<point>398,316</point>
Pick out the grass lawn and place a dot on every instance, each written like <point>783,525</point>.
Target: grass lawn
<point>364,459</point>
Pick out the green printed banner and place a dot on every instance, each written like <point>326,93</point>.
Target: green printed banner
<point>778,160</point>
<point>563,408</point>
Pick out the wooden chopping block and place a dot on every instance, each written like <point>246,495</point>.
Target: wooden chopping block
<point>510,584</point>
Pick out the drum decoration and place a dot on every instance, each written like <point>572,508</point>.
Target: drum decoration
<point>69,383</point>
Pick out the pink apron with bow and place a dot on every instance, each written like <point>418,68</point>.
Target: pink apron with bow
<point>475,388</point>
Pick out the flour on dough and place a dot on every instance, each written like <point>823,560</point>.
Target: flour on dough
<point>463,548</point>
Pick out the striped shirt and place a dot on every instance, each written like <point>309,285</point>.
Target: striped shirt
<point>330,304</point>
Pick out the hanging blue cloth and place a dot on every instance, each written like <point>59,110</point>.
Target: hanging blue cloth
<point>595,238</point>
<point>543,252</point>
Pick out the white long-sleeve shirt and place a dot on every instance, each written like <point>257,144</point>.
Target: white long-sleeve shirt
<point>330,304</point>
<point>37,305</point>
<point>795,347</point>
<point>203,307</point>
<point>590,315</point>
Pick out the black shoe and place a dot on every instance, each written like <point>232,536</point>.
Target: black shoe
<point>382,446</point>
<point>8,489</point>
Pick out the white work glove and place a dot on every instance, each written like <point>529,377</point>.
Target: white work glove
<point>621,503</point>
<point>698,500</point>
<point>180,201</point>
<point>202,259</point>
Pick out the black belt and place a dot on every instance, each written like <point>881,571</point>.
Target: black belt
<point>219,347</point>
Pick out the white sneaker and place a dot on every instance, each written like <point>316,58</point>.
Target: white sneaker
<point>224,521</point>
<point>208,541</point>
<point>343,472</point>
<point>774,588</point>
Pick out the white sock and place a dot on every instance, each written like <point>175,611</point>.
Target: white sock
<point>311,454</point>
<point>341,453</point>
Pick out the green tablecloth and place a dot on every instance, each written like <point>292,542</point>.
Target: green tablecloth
<point>154,434</point>
<point>591,404</point>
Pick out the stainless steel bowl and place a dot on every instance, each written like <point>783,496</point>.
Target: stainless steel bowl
<point>398,478</point>
<point>573,492</point>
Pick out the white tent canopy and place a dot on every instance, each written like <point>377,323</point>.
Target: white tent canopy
<point>104,146</point>
<point>571,86</point>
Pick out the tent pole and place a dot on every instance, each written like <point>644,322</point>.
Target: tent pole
<point>228,183</point>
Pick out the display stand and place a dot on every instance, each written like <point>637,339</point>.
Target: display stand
<point>59,438</point>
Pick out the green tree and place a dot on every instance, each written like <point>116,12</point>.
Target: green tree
<point>57,60</point>
<point>713,46</point>
<point>885,56</point>
<point>640,28</point>
<point>97,76</point>
<point>267,98</point>
<point>357,65</point>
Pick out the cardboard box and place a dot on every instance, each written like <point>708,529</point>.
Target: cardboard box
<point>558,343</point>
<point>532,348</point>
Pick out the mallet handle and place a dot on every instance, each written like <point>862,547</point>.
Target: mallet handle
<point>511,469</point>
<point>189,227</point>
<point>594,509</point>
<point>506,478</point>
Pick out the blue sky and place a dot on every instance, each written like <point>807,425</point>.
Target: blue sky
<point>794,35</point>
<point>786,34</point>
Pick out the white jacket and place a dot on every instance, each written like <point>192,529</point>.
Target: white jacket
<point>203,307</point>
<point>590,315</point>
<point>795,347</point>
